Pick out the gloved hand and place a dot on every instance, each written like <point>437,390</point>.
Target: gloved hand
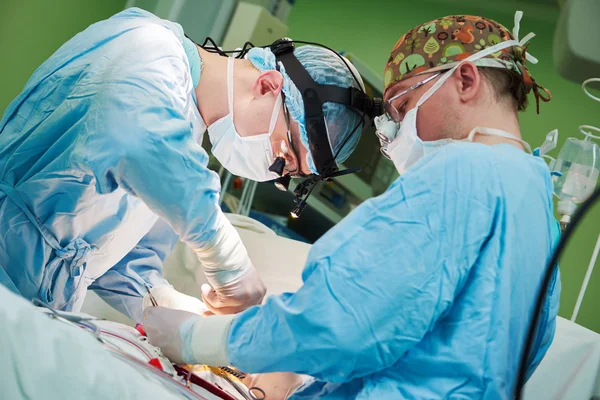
<point>234,280</point>
<point>243,292</point>
<point>187,338</point>
<point>167,296</point>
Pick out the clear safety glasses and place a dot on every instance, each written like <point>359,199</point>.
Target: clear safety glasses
<point>388,106</point>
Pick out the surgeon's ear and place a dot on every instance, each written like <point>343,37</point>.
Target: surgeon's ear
<point>468,81</point>
<point>268,83</point>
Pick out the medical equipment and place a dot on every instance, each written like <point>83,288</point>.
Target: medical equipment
<point>152,299</point>
<point>592,149</point>
<point>251,22</point>
<point>575,176</point>
<point>227,372</point>
<point>586,280</point>
<point>575,53</point>
<point>577,167</point>
<point>541,295</point>
<point>198,18</point>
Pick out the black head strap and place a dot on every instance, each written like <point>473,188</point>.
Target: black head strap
<point>313,96</point>
<point>311,91</point>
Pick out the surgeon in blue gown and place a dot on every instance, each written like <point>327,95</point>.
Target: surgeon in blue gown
<point>426,291</point>
<point>101,168</point>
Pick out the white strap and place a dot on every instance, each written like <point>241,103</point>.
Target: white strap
<point>480,54</point>
<point>497,132</point>
<point>517,27</point>
<point>526,39</point>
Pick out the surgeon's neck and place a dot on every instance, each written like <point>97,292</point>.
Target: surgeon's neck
<point>211,92</point>
<point>499,117</point>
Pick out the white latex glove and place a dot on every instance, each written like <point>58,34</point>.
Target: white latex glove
<point>234,280</point>
<point>246,291</point>
<point>187,338</point>
<point>167,296</point>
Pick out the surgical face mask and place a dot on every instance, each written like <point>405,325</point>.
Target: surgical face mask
<point>400,141</point>
<point>245,156</point>
<point>408,148</point>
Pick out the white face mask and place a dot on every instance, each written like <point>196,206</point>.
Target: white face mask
<point>400,141</point>
<point>250,156</point>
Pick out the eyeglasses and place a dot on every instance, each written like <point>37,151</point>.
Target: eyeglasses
<point>392,112</point>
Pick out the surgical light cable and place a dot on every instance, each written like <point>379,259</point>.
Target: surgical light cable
<point>541,294</point>
<point>213,48</point>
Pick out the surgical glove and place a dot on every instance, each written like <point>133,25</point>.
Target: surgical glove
<point>246,291</point>
<point>228,269</point>
<point>167,296</point>
<point>186,338</point>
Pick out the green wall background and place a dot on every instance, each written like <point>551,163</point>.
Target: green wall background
<point>31,30</point>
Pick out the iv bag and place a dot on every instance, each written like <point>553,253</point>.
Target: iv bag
<point>578,167</point>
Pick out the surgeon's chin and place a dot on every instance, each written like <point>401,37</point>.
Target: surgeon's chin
<point>454,130</point>
<point>442,128</point>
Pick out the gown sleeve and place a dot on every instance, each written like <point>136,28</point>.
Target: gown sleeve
<point>124,285</point>
<point>140,133</point>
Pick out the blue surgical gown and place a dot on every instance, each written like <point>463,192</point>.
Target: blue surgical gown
<point>101,169</point>
<point>424,292</point>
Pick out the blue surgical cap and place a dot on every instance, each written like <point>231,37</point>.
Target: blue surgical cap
<point>326,68</point>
